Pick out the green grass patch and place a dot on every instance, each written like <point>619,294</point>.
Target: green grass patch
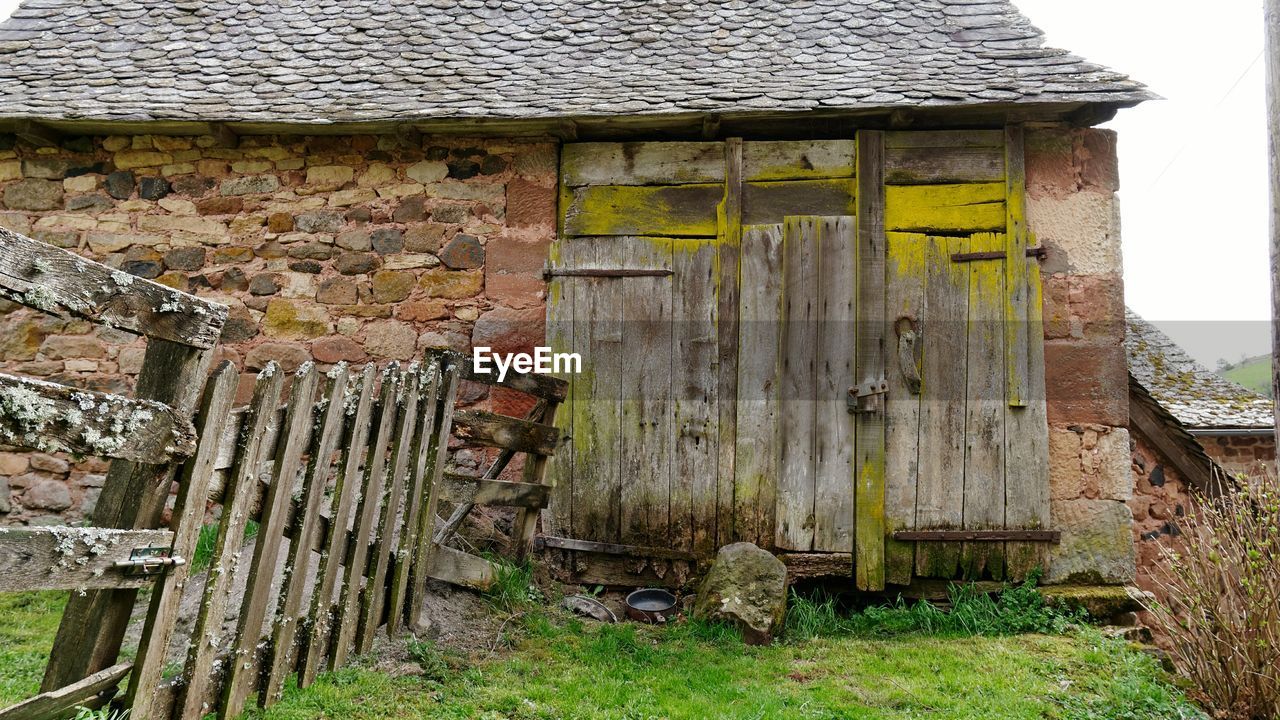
<point>1253,373</point>
<point>28,622</point>
<point>1015,609</point>
<point>565,668</point>
<point>208,538</point>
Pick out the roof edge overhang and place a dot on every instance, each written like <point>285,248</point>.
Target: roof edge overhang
<point>806,123</point>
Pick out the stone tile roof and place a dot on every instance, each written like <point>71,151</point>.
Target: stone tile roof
<point>321,61</point>
<point>1198,398</point>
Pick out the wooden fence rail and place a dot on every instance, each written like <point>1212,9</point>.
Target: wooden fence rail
<point>344,479</point>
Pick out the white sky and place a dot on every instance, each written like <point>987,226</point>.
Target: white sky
<point>1192,167</point>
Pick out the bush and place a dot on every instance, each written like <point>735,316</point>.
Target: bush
<point>1219,590</point>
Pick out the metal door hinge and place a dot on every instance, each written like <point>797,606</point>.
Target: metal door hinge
<point>149,561</point>
<point>865,398</point>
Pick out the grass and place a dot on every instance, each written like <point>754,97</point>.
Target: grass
<point>1253,373</point>
<point>28,622</point>
<point>567,669</point>
<point>208,538</point>
<point>894,662</point>
<point>1007,657</point>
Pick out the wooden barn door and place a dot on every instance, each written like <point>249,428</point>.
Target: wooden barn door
<point>646,284</point>
<point>814,346</point>
<point>967,492</point>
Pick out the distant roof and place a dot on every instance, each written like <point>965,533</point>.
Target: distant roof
<point>1198,398</point>
<point>325,61</point>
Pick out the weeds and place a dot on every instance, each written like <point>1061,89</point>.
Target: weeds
<point>84,713</point>
<point>208,538</point>
<point>435,668</point>
<point>513,588</point>
<point>1219,590</point>
<point>1016,609</point>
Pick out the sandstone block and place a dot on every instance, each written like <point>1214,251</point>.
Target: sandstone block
<point>288,355</point>
<point>386,241</point>
<point>356,263</point>
<point>337,349</point>
<point>33,194</point>
<point>185,258</point>
<point>391,286</point>
<point>390,339</point>
<point>250,185</point>
<point>337,291</point>
<point>377,174</point>
<point>530,204</point>
<point>418,311</point>
<point>1082,227</point>
<point>80,183</point>
<point>51,495</point>
<point>510,330</point>
<point>128,159</point>
<point>295,321</point>
<point>442,283</point>
<point>1097,543</point>
<point>335,175</point>
<point>428,171</point>
<point>318,221</point>
<point>1086,383</point>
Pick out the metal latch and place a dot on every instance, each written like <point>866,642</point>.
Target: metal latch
<point>149,561</point>
<point>865,398</point>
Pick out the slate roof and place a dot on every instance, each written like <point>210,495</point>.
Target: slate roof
<point>321,61</point>
<point>1198,398</point>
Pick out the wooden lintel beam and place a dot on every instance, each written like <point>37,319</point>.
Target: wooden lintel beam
<point>36,133</point>
<point>543,542</point>
<point>227,138</point>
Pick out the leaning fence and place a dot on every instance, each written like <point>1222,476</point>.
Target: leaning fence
<point>344,472</point>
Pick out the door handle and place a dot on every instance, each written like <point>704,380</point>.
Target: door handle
<point>905,327</point>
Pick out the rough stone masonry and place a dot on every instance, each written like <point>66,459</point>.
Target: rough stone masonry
<point>375,248</point>
<point>327,248</point>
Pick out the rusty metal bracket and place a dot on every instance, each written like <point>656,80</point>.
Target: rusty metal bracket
<point>1013,535</point>
<point>865,398</point>
<point>148,561</point>
<point>1032,252</point>
<point>548,273</point>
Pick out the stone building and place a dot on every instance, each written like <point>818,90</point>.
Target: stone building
<point>1234,425</point>
<point>362,181</point>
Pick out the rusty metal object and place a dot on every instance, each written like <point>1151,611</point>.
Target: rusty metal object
<point>651,605</point>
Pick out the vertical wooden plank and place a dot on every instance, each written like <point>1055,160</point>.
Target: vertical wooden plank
<point>647,433</point>
<point>561,328</point>
<point>796,499</point>
<point>836,247</point>
<point>904,308</point>
<point>984,470</point>
<point>203,670</point>
<point>695,457</point>
<point>307,520</point>
<point>1027,451</point>
<point>357,407</point>
<point>757,450</point>
<point>133,496</point>
<point>437,451</point>
<point>727,293</point>
<point>369,500</point>
<point>869,567</point>
<point>188,517</point>
<point>597,408</point>
<point>428,391</point>
<point>374,598</point>
<point>1017,314</point>
<point>295,436</point>
<point>525,523</point>
<point>939,495</point>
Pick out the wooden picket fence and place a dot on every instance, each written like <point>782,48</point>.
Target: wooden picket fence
<point>344,479</point>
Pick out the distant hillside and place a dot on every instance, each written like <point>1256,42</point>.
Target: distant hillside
<point>1253,373</point>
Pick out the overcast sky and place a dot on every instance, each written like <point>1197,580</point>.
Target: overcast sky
<point>1192,167</point>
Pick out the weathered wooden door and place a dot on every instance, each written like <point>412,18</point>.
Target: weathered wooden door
<point>780,346</point>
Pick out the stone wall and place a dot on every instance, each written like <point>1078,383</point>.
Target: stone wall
<point>1160,497</point>
<point>1072,179</point>
<point>1242,454</point>
<point>327,248</point>
<point>375,248</point>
